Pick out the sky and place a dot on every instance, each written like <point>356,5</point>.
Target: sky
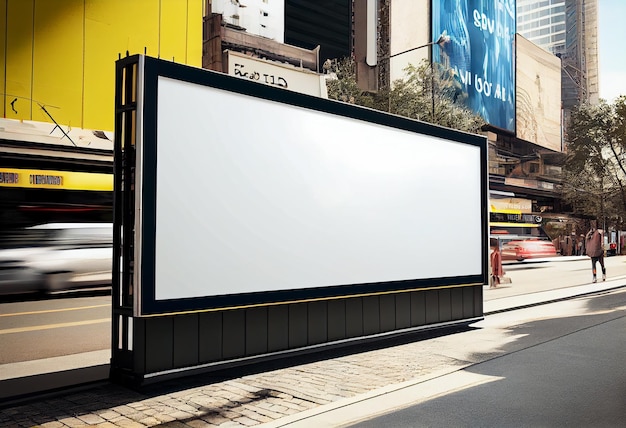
<point>612,48</point>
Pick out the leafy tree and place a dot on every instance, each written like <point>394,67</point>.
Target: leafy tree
<point>594,175</point>
<point>428,93</point>
<point>342,85</point>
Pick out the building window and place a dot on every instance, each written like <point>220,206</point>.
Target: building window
<point>534,168</point>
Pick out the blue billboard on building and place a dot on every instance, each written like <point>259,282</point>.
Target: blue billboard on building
<point>479,48</point>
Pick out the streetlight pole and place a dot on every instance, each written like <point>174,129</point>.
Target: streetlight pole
<point>441,41</point>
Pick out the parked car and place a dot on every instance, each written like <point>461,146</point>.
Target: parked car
<point>528,249</point>
<point>57,256</point>
<point>610,249</point>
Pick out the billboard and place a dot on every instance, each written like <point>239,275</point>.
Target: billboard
<point>538,95</point>
<point>480,50</point>
<point>248,194</point>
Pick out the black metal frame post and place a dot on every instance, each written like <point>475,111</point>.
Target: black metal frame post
<point>126,87</point>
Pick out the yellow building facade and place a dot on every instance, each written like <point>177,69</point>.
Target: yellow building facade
<point>60,54</point>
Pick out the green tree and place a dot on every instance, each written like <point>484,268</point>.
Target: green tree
<point>428,93</point>
<point>594,174</point>
<point>342,85</point>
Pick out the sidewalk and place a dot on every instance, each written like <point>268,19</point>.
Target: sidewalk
<point>299,395</point>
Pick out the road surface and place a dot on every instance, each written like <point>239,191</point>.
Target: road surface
<point>562,366</point>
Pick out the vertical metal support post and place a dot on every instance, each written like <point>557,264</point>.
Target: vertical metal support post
<point>124,216</point>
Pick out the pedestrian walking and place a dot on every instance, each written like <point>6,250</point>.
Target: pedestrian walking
<point>594,244</point>
<point>581,245</point>
<point>496,264</point>
<point>568,246</point>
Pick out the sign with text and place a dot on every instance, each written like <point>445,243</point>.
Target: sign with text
<point>480,50</point>
<point>46,179</point>
<point>508,204</point>
<point>280,76</point>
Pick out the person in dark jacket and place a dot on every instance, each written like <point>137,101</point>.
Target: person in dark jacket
<point>594,245</point>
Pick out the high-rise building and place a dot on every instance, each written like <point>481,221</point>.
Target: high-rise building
<point>322,24</point>
<point>568,29</point>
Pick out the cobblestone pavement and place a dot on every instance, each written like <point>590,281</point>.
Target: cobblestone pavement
<point>244,401</point>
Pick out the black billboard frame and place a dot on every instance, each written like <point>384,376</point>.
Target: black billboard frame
<point>147,72</point>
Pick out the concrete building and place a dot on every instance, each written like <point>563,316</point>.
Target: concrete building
<point>263,18</point>
<point>63,54</point>
<point>265,25</point>
<point>246,40</point>
<point>57,87</point>
<point>569,30</point>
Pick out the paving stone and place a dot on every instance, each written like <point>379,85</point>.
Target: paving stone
<point>179,415</point>
<point>176,424</point>
<point>262,414</point>
<point>164,417</point>
<point>231,424</point>
<point>215,419</point>
<point>71,422</point>
<point>91,419</point>
<point>124,410</point>
<point>229,414</point>
<point>140,406</point>
<point>199,423</point>
<point>150,421</point>
<point>53,424</point>
<point>108,414</point>
<point>124,422</point>
<point>257,416</point>
<point>186,407</point>
<point>245,421</point>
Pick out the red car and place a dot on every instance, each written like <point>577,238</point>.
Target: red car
<point>528,249</point>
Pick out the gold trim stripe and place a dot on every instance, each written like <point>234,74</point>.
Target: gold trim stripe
<point>258,305</point>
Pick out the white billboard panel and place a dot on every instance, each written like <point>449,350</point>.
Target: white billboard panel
<point>538,101</point>
<point>250,195</point>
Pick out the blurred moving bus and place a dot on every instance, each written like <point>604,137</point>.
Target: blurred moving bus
<point>519,236</point>
<point>511,225</point>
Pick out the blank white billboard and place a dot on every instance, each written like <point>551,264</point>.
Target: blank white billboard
<point>254,195</point>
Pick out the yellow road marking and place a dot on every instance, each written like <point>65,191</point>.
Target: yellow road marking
<point>48,311</point>
<point>51,326</point>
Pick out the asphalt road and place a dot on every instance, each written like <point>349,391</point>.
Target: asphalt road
<point>562,365</point>
<point>52,327</point>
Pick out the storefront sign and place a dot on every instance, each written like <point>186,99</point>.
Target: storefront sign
<point>278,75</point>
<point>511,204</point>
<point>67,180</point>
